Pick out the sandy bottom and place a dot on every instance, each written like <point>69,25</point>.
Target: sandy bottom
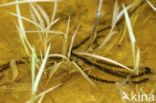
<point>75,88</point>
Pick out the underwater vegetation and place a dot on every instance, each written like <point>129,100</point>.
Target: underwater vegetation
<point>61,55</point>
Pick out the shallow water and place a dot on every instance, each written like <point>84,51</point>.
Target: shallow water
<point>75,88</point>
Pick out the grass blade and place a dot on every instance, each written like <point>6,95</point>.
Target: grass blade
<point>84,74</point>
<point>33,63</point>
<point>115,14</point>
<point>21,29</point>
<point>43,13</point>
<point>38,77</point>
<point>122,11</point>
<point>114,21</point>
<point>51,31</point>
<point>57,55</point>
<point>26,19</point>
<point>52,23</point>
<point>53,69</point>
<point>137,64</point>
<point>54,11</point>
<point>93,35</point>
<point>66,37</point>
<point>37,14</point>
<point>72,41</point>
<point>25,1</point>
<point>151,5</point>
<point>45,92</point>
<point>131,35</point>
<point>14,69</point>
<point>105,59</point>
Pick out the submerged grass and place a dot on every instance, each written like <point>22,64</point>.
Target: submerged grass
<point>66,37</point>
<point>25,1</point>
<point>137,64</point>
<point>151,5</point>
<point>116,16</point>
<point>39,75</point>
<point>41,25</point>
<point>22,33</point>
<point>131,35</point>
<point>93,34</point>
<point>105,59</point>
<point>33,67</point>
<point>14,69</point>
<point>44,93</point>
<point>31,51</point>
<point>44,28</point>
<point>72,41</point>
